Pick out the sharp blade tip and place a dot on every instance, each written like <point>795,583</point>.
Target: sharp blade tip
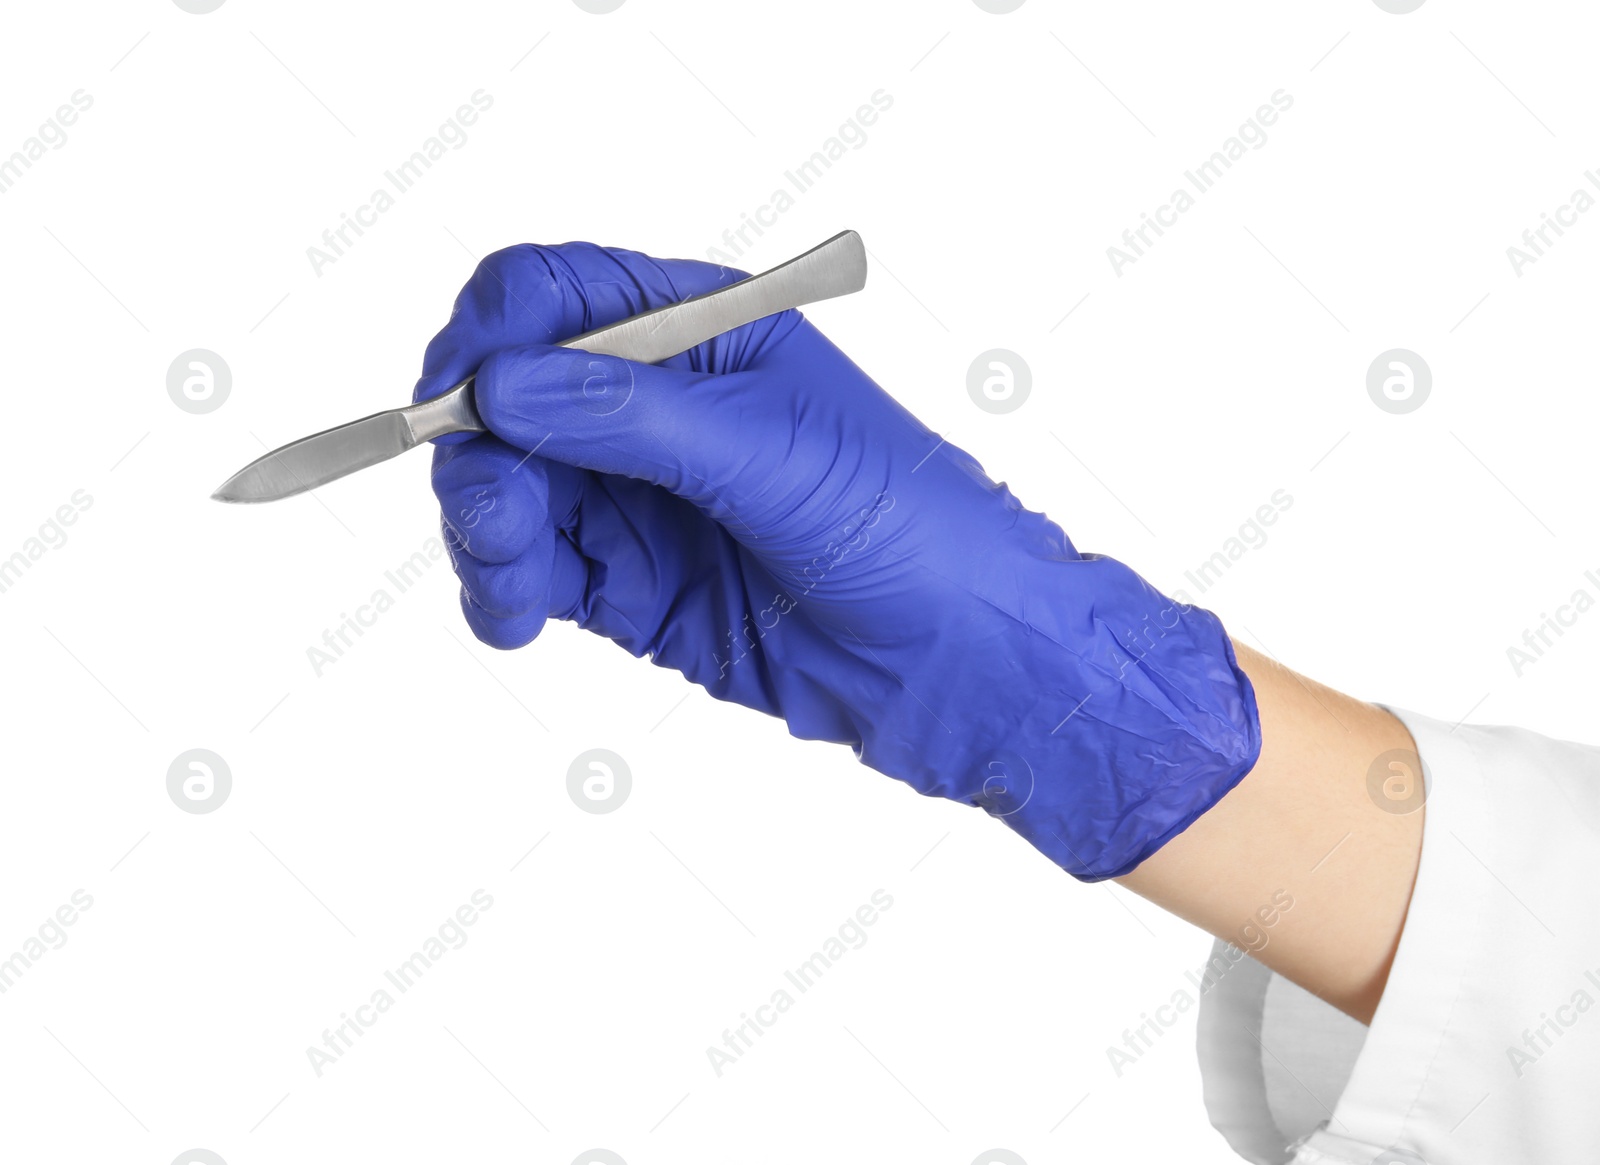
<point>230,493</point>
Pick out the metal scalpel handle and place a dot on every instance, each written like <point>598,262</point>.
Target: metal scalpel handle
<point>834,268</point>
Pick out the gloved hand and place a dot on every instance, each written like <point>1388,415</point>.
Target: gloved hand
<point>760,516</point>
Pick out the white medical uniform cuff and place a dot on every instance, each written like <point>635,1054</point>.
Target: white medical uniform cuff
<point>1288,1078</point>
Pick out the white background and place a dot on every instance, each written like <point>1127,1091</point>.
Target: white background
<point>368,803</point>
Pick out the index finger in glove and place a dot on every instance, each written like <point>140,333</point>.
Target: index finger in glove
<point>548,294</point>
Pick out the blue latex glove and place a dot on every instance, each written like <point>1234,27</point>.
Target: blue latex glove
<point>760,516</point>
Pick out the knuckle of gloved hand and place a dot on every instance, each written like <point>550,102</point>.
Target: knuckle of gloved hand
<point>477,506</point>
<point>522,264</point>
<point>506,590</point>
<point>441,353</point>
<point>488,524</point>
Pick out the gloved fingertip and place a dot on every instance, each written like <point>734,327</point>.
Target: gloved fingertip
<point>501,536</point>
<point>501,634</point>
<point>493,500</point>
<point>509,590</point>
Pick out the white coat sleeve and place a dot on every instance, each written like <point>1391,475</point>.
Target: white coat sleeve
<point>1485,1047</point>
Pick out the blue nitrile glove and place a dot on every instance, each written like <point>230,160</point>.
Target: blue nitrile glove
<point>760,516</point>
